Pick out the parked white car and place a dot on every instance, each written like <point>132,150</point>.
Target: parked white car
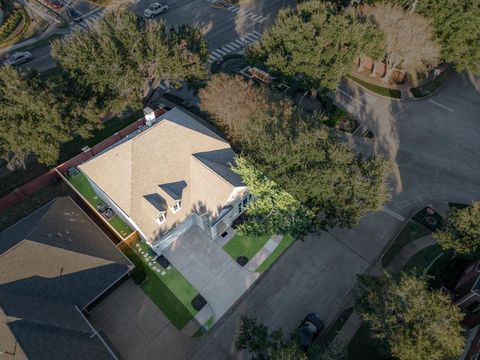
<point>155,9</point>
<point>18,58</point>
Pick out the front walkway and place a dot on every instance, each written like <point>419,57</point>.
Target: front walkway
<point>264,253</point>
<point>215,275</point>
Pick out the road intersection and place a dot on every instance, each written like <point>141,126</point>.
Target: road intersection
<point>433,144</point>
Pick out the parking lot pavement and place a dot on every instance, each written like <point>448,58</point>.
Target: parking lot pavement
<point>314,275</point>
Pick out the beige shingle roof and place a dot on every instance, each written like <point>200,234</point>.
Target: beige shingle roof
<point>177,157</point>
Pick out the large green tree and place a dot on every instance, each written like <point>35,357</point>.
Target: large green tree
<point>456,24</point>
<point>274,210</point>
<point>414,322</point>
<point>263,344</point>
<point>461,232</point>
<point>303,157</point>
<point>123,57</point>
<point>317,43</point>
<point>37,116</point>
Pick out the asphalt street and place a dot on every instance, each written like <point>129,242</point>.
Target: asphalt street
<point>432,143</point>
<point>221,26</point>
<point>434,146</point>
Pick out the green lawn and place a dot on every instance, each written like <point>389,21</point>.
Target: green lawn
<point>380,90</point>
<point>284,244</point>
<point>172,293</point>
<point>422,259</point>
<point>245,245</point>
<point>82,185</point>
<point>409,233</point>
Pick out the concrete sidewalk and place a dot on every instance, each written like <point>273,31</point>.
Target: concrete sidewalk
<point>401,259</point>
<point>264,253</point>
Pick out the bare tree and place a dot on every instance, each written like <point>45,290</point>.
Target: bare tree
<point>232,101</point>
<point>409,43</point>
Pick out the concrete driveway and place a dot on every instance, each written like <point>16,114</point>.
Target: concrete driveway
<point>137,328</point>
<point>216,276</point>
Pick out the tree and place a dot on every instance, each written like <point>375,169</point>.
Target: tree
<point>274,210</point>
<point>408,38</point>
<point>305,158</point>
<point>123,58</point>
<point>262,344</point>
<point>415,323</point>
<point>461,232</point>
<point>456,27</point>
<point>31,124</point>
<point>315,42</point>
<point>232,102</point>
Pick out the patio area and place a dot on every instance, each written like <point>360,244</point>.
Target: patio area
<point>216,276</point>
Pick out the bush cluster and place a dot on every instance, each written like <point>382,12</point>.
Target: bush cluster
<point>10,24</point>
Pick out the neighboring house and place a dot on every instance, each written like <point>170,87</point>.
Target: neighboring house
<point>171,175</point>
<point>466,295</point>
<point>55,264</point>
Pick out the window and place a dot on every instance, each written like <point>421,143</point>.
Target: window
<point>161,217</point>
<point>177,206</point>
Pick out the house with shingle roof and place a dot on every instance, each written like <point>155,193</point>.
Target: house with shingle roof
<point>55,264</point>
<point>173,174</point>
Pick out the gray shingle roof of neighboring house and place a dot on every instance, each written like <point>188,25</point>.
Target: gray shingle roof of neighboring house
<point>176,158</point>
<point>53,264</point>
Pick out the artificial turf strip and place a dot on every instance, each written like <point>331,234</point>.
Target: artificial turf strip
<point>80,182</point>
<point>245,245</point>
<point>380,90</point>
<point>284,244</point>
<point>172,293</point>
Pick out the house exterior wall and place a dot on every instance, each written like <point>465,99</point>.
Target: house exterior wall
<point>163,242</point>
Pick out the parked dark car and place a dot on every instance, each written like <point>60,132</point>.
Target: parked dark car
<point>74,15</point>
<point>308,331</point>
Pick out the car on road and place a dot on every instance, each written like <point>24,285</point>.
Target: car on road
<point>18,58</point>
<point>155,9</point>
<point>308,331</point>
<point>74,15</point>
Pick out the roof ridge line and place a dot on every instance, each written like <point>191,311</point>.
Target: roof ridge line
<point>211,170</point>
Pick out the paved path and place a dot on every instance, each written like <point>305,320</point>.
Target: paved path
<point>264,253</point>
<point>401,259</point>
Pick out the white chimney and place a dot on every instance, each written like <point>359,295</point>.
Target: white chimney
<point>149,116</point>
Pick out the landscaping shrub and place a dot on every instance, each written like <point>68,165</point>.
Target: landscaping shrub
<point>10,24</point>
